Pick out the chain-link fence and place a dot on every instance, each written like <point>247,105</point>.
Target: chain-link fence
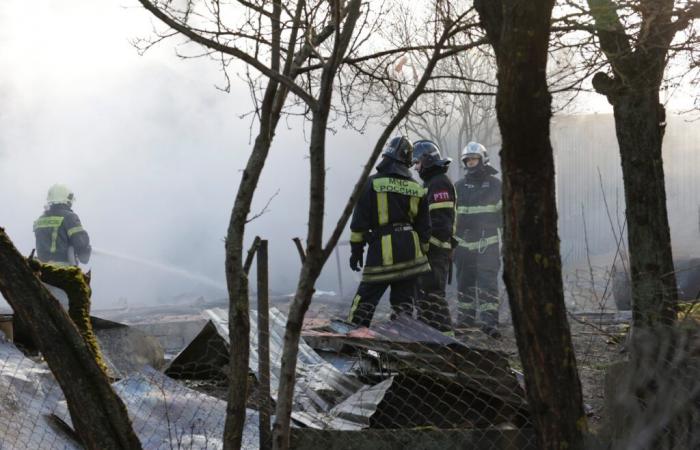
<point>398,384</point>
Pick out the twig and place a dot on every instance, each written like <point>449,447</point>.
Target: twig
<point>588,256</point>
<point>251,253</point>
<point>300,249</point>
<point>264,210</point>
<point>598,328</point>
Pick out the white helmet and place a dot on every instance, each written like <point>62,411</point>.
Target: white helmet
<point>474,149</point>
<point>59,194</point>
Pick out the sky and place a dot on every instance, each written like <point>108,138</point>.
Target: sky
<point>152,150</point>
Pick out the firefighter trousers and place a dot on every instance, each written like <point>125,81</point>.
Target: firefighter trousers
<point>368,296</point>
<point>477,285</point>
<point>431,302</point>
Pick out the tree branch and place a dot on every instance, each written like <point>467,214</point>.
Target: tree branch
<point>232,51</point>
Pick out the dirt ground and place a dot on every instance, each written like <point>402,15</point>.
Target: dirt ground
<point>597,345</point>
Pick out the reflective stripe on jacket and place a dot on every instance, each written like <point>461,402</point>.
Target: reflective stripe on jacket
<point>479,210</point>
<point>442,204</point>
<point>57,230</point>
<point>392,217</point>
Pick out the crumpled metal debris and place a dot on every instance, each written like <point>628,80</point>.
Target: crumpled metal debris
<point>320,387</point>
<point>28,397</point>
<point>472,372</point>
<point>166,414</point>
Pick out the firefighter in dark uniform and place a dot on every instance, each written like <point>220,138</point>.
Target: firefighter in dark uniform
<point>478,258</point>
<point>60,240</point>
<point>60,237</point>
<point>392,218</point>
<point>431,303</point>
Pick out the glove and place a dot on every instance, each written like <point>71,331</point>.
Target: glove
<point>356,261</point>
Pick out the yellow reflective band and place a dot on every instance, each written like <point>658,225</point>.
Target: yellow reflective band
<point>397,274</point>
<point>387,252</point>
<point>454,223</point>
<point>357,236</point>
<point>416,245</point>
<point>383,208</point>
<point>438,243</point>
<point>414,203</point>
<point>74,230</point>
<point>398,266</point>
<point>48,222</point>
<point>54,238</point>
<point>440,205</point>
<point>480,209</point>
<point>353,308</point>
<point>466,305</point>
<point>398,186</point>
<point>54,222</point>
<point>449,333</point>
<point>478,245</point>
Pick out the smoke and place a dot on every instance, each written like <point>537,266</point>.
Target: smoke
<point>151,149</point>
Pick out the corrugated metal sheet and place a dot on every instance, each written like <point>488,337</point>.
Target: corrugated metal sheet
<point>319,387</point>
<point>164,413</point>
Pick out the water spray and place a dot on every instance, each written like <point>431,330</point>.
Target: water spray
<point>162,267</point>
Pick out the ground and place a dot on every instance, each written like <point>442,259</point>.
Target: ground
<point>597,345</point>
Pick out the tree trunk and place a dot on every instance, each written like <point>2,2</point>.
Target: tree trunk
<point>639,123</point>
<point>237,280</point>
<point>519,32</point>
<point>98,414</point>
<point>638,64</point>
<point>285,399</point>
<point>76,285</point>
<point>315,255</point>
<point>311,269</point>
<point>239,320</point>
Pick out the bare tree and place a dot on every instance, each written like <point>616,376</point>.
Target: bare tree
<point>519,33</point>
<point>378,73</point>
<point>319,65</point>
<point>285,36</point>
<point>460,107</point>
<point>638,38</point>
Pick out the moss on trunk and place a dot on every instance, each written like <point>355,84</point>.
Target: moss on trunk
<point>76,284</point>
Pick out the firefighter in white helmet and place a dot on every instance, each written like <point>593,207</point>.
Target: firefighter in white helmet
<point>60,237</point>
<point>477,257</point>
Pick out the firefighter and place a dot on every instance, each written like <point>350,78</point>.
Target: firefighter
<point>392,218</point>
<point>477,257</point>
<point>60,238</point>
<point>431,303</point>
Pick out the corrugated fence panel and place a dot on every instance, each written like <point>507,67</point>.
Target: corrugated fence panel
<point>586,146</point>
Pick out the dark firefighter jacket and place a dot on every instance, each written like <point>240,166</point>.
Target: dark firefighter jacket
<point>479,210</point>
<point>392,217</point>
<point>442,205</point>
<point>58,229</point>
